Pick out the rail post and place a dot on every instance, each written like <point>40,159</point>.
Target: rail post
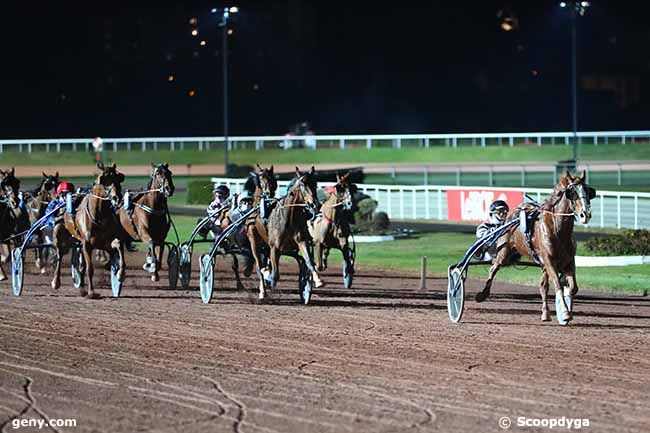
<point>423,273</point>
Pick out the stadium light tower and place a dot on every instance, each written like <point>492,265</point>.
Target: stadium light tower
<point>575,8</point>
<point>225,16</point>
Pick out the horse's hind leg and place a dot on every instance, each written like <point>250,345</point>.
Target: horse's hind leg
<point>306,254</point>
<point>543,290</point>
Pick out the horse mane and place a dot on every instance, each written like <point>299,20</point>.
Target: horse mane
<point>37,190</point>
<point>251,183</point>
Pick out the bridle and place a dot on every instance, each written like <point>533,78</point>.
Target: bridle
<point>579,192</point>
<point>163,183</point>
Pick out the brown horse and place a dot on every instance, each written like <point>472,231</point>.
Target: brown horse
<point>95,224</point>
<point>331,229</point>
<point>552,243</point>
<point>149,221</point>
<point>36,203</point>
<point>286,231</point>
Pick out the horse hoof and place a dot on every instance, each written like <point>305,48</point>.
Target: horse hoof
<point>319,284</point>
<point>480,297</point>
<point>56,285</point>
<point>3,277</point>
<point>574,291</point>
<point>43,271</point>
<point>94,295</point>
<point>83,292</point>
<point>545,317</point>
<point>155,278</point>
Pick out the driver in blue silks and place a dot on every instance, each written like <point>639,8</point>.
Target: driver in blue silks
<point>497,217</point>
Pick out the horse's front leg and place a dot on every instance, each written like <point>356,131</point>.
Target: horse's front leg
<point>157,260</point>
<point>306,254</point>
<point>318,255</point>
<point>87,251</point>
<point>559,290</point>
<point>274,277</point>
<point>3,276</point>
<point>252,240</point>
<point>58,248</point>
<point>543,290</point>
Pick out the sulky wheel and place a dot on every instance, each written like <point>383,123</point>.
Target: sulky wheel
<point>17,270</point>
<point>455,294</point>
<point>116,281</point>
<point>185,265</point>
<point>173,261</point>
<point>77,267</point>
<point>206,278</point>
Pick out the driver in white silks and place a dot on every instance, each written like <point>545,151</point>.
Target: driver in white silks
<point>497,217</point>
<point>221,194</point>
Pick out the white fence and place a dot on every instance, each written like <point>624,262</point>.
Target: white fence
<point>610,209</point>
<point>144,144</point>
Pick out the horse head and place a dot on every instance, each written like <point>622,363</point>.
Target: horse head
<point>48,184</point>
<point>345,190</point>
<point>305,186</point>
<point>265,180</point>
<point>111,180</point>
<point>10,186</point>
<point>161,178</point>
<point>578,193</point>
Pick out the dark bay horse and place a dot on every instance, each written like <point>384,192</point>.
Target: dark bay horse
<point>13,215</point>
<point>149,221</point>
<point>551,243</point>
<point>330,229</point>
<point>286,231</point>
<point>95,224</point>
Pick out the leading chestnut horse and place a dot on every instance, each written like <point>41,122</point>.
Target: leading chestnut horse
<point>95,224</point>
<point>552,243</point>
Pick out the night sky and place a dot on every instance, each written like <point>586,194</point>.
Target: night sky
<point>70,69</point>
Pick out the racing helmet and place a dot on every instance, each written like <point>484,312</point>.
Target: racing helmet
<point>222,190</point>
<point>64,187</point>
<point>498,210</point>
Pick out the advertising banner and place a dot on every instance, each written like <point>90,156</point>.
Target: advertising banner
<point>474,204</point>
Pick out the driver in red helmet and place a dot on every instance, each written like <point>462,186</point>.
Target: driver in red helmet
<point>59,198</point>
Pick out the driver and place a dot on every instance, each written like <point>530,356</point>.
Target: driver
<point>497,217</point>
<point>221,194</point>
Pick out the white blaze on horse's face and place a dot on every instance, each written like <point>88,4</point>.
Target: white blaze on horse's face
<point>581,202</point>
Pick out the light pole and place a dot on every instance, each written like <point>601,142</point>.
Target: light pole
<point>226,12</point>
<point>575,8</point>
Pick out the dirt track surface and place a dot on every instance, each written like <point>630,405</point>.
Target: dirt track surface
<point>382,357</point>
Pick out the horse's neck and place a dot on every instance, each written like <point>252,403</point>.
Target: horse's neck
<point>562,223</point>
<point>153,199</point>
<point>328,209</point>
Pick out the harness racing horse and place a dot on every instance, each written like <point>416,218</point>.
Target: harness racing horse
<point>551,242</point>
<point>331,228</point>
<point>36,204</point>
<point>13,215</point>
<point>261,185</point>
<point>286,231</point>
<point>95,224</point>
<point>149,221</point>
